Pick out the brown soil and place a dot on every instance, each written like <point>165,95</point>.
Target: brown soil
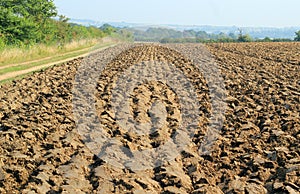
<point>256,152</point>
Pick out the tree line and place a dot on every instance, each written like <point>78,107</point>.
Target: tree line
<point>165,35</point>
<point>28,22</point>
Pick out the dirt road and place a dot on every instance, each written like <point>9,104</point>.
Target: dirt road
<point>39,67</point>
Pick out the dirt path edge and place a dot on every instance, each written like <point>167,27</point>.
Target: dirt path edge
<point>36,68</point>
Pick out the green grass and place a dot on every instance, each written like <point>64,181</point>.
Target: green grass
<point>53,59</point>
<point>13,55</point>
<point>49,60</point>
<point>23,67</point>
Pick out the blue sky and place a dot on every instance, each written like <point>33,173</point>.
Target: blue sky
<point>256,13</point>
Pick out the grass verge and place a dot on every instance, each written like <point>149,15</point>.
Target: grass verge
<point>13,55</point>
<point>24,68</point>
<point>50,59</point>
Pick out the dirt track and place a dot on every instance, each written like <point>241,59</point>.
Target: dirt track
<point>14,74</point>
<point>256,152</point>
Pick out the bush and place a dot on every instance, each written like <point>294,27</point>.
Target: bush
<point>244,38</point>
<point>297,36</point>
<point>30,22</point>
<point>2,43</point>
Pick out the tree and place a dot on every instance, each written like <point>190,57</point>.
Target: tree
<point>108,29</point>
<point>244,38</point>
<point>297,36</point>
<point>37,9</point>
<point>232,35</point>
<point>27,22</point>
<point>267,39</point>
<point>23,21</point>
<point>126,34</point>
<point>202,35</point>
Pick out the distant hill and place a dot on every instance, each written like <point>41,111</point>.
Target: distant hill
<point>255,32</point>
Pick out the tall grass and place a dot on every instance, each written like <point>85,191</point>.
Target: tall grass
<point>11,55</point>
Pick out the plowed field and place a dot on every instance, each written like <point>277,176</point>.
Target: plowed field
<point>255,147</point>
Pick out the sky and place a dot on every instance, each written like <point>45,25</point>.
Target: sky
<point>242,13</point>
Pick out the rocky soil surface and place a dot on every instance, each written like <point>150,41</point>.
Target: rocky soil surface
<point>257,151</point>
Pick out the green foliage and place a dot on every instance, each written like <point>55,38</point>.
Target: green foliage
<point>157,34</point>
<point>244,38</point>
<point>27,22</point>
<point>165,35</point>
<point>266,39</point>
<point>232,35</point>
<point>202,35</point>
<point>282,40</point>
<point>191,36</point>
<point>125,35</point>
<point>297,38</point>
<point>21,22</point>
<point>108,29</point>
